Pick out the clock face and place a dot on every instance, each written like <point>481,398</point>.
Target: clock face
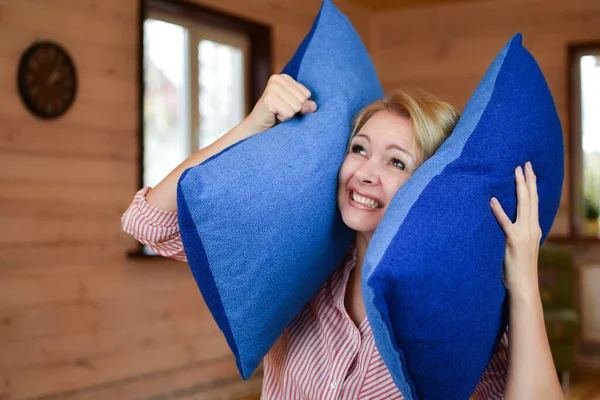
<point>47,80</point>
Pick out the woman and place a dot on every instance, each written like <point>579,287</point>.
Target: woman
<point>328,351</point>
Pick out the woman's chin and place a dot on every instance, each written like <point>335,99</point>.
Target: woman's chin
<point>360,224</point>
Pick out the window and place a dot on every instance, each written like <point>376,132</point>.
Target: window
<point>167,97</point>
<point>201,72</point>
<point>585,139</point>
<point>195,84</point>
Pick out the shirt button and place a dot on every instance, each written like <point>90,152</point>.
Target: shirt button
<point>333,385</point>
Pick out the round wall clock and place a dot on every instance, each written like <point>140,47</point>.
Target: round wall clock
<point>47,80</point>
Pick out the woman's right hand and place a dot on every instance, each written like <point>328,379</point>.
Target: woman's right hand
<point>283,98</point>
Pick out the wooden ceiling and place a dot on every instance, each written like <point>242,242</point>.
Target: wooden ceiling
<point>395,4</point>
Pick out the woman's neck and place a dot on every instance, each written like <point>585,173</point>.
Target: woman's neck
<point>353,300</point>
<point>362,242</point>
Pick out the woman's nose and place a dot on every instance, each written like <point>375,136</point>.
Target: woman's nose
<point>367,173</point>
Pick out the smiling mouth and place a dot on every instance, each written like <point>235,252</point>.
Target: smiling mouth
<point>364,201</point>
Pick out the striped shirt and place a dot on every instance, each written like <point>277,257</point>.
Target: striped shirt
<point>322,354</point>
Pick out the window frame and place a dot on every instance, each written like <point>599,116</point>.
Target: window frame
<point>575,52</point>
<point>259,60</point>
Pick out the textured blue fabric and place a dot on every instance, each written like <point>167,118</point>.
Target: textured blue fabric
<point>432,275</point>
<point>259,221</point>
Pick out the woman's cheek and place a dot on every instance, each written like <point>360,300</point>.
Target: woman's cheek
<point>395,185</point>
<point>346,170</point>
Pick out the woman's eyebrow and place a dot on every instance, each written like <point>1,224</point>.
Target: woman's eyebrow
<point>391,146</point>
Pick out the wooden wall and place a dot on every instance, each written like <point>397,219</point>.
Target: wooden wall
<point>79,320</point>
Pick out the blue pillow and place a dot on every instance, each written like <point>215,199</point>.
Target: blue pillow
<point>259,221</point>
<point>432,276</point>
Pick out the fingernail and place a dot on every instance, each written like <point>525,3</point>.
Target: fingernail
<point>528,165</point>
<point>494,201</point>
<point>519,171</point>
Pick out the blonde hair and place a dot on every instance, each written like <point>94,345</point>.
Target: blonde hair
<point>432,120</point>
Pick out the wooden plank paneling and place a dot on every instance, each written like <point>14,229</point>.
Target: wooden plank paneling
<point>90,316</point>
<point>34,168</point>
<point>205,380</point>
<point>401,4</point>
<point>494,18</point>
<point>105,9</point>
<point>30,231</point>
<point>78,319</point>
<point>48,20</point>
<point>91,195</point>
<point>106,90</point>
<point>26,291</point>
<point>94,59</point>
<point>31,136</point>
<point>73,347</point>
<point>83,371</point>
<point>81,114</point>
<point>22,354</point>
<point>65,258</point>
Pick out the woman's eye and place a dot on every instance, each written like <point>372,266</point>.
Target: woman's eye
<point>357,148</point>
<point>398,163</point>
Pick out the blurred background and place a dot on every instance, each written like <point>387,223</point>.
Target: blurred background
<point>88,313</point>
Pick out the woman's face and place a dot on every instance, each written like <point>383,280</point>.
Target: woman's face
<point>382,156</point>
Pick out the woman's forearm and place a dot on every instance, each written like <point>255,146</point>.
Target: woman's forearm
<point>164,195</point>
<point>531,371</point>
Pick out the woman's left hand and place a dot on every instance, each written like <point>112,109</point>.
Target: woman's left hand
<point>523,237</point>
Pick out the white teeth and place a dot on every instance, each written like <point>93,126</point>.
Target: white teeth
<point>363,200</point>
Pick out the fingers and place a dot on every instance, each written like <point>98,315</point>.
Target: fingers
<point>278,106</point>
<point>533,193</point>
<point>300,93</point>
<point>503,220</point>
<point>523,204</point>
<point>296,88</point>
<point>308,107</point>
<point>527,201</point>
<point>293,105</point>
<point>288,97</point>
